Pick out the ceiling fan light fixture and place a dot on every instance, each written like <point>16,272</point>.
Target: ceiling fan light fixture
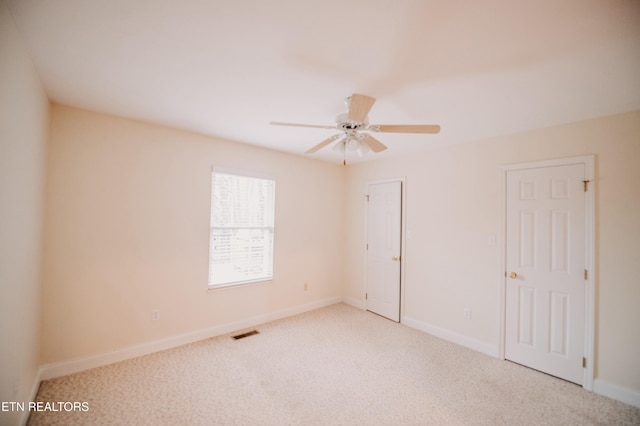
<point>353,143</point>
<point>340,146</point>
<point>362,149</point>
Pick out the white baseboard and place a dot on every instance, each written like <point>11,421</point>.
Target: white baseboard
<point>458,339</point>
<point>24,418</point>
<point>619,393</point>
<point>50,371</point>
<point>356,303</point>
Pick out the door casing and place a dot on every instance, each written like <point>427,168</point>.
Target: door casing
<point>403,211</point>
<point>589,165</point>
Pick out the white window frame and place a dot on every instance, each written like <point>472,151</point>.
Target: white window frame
<point>268,227</point>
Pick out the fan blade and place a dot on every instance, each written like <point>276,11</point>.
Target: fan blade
<point>373,143</point>
<point>360,106</point>
<point>322,144</point>
<point>405,128</point>
<point>279,123</point>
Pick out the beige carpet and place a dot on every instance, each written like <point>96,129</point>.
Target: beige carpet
<point>333,366</point>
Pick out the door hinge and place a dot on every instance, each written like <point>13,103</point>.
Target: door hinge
<point>367,197</point>
<point>367,246</point>
<point>585,183</point>
<point>584,362</point>
<point>586,275</point>
<point>366,296</point>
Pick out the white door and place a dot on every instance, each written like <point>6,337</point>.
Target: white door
<point>545,260</point>
<point>383,249</point>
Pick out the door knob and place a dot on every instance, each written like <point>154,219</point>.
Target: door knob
<point>513,275</point>
<point>394,258</point>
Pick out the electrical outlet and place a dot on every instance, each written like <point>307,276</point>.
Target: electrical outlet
<point>155,315</point>
<point>467,313</point>
<point>306,286</point>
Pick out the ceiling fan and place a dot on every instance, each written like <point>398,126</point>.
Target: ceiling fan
<point>356,120</point>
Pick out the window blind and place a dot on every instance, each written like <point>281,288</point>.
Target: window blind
<point>242,229</point>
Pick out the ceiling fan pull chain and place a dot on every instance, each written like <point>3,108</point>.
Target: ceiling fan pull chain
<point>344,152</point>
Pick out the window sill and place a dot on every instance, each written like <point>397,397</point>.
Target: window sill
<point>211,289</point>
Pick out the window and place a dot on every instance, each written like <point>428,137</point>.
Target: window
<point>241,234</point>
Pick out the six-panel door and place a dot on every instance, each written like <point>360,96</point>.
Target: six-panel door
<point>545,258</point>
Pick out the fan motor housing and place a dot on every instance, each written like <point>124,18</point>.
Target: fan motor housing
<point>343,123</point>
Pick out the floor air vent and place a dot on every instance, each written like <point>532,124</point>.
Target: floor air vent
<point>247,334</point>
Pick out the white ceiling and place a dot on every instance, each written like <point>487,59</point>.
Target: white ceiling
<point>227,68</point>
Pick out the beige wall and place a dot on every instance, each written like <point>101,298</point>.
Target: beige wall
<point>23,132</point>
<point>453,205</point>
<point>127,231</point>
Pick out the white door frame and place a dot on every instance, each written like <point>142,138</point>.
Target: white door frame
<point>403,213</point>
<point>589,342</point>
